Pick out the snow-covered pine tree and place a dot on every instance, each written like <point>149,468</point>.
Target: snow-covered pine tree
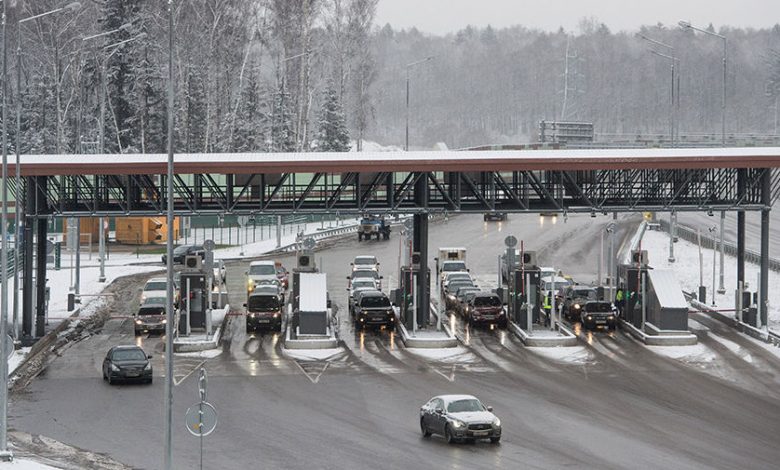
<point>248,135</point>
<point>333,135</point>
<point>282,135</point>
<point>195,103</point>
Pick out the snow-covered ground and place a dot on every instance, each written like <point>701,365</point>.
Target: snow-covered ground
<point>572,355</point>
<point>24,464</point>
<point>686,268</point>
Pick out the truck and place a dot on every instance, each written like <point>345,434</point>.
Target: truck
<point>373,226</point>
<point>451,254</point>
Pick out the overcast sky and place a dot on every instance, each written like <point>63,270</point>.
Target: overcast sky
<point>443,16</point>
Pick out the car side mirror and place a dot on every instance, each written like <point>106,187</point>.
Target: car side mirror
<point>438,411</point>
<point>381,277</point>
<point>490,408</point>
<point>351,264</point>
<point>348,278</point>
<point>148,356</point>
<point>244,305</point>
<point>246,273</point>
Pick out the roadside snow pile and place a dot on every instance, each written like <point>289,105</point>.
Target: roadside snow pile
<point>697,353</point>
<point>24,464</point>
<point>458,355</point>
<point>312,354</point>
<point>570,354</point>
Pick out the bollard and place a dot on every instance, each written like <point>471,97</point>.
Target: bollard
<point>57,256</point>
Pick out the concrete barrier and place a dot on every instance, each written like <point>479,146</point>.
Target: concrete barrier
<point>566,337</point>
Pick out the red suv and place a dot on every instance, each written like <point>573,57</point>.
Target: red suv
<point>486,308</point>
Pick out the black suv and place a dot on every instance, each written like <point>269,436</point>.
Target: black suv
<point>180,252</point>
<point>485,308</point>
<point>372,308</point>
<point>597,314</point>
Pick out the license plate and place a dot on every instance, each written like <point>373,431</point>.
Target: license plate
<point>132,374</point>
<point>601,322</point>
<point>488,317</point>
<point>378,319</point>
<point>480,433</point>
<point>263,320</point>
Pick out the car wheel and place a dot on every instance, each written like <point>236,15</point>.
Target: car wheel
<point>495,440</point>
<point>448,435</point>
<point>425,431</point>
<point>149,381</point>
<point>110,380</point>
<point>104,375</point>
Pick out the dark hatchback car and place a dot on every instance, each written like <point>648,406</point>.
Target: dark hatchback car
<point>575,298</point>
<point>372,308</point>
<point>598,314</point>
<point>180,252</point>
<point>127,363</point>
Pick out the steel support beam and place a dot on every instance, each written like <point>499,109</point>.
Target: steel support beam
<point>421,246</point>
<point>741,176</point>
<point>40,279</point>
<point>27,246</point>
<point>766,196</point>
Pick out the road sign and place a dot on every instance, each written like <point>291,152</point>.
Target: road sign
<point>510,241</point>
<point>208,245</point>
<point>201,419</point>
<point>202,383</point>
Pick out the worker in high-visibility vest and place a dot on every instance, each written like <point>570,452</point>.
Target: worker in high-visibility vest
<point>547,307</point>
<point>620,300</point>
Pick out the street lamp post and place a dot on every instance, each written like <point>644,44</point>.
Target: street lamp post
<point>409,66</point>
<point>5,454</point>
<point>688,25</point>
<point>674,61</point>
<point>169,259</point>
<point>73,6</point>
<point>102,122</point>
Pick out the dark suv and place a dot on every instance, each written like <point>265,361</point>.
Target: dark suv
<point>574,299</point>
<point>597,314</point>
<point>264,308</point>
<point>180,252</point>
<point>486,308</point>
<point>372,308</point>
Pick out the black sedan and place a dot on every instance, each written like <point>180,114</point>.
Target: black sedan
<point>458,418</point>
<point>128,363</point>
<point>180,252</point>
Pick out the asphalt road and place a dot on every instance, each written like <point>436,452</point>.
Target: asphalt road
<point>619,405</point>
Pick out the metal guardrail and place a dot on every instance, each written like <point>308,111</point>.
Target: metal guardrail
<point>688,234</point>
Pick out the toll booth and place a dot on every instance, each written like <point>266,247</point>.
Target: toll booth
<point>525,288</point>
<point>630,278</point>
<point>193,288</point>
<point>405,295</point>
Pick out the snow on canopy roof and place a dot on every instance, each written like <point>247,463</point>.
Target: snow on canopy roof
<point>667,288</point>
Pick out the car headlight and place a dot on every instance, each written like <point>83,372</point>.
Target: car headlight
<point>138,321</point>
<point>450,296</point>
<point>590,318</point>
<point>164,321</point>
<point>611,317</point>
<point>457,424</point>
<point>114,368</point>
<point>148,366</point>
<point>251,315</point>
<point>497,423</point>
<point>276,315</point>
<point>250,284</point>
<point>577,306</point>
<point>143,298</point>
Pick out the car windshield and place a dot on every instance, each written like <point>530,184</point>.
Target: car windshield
<point>363,284</point>
<point>375,302</point>
<point>155,285</point>
<point>154,301</point>
<point>365,260</point>
<point>128,355</point>
<point>454,266</point>
<point>464,291</point>
<point>363,273</point>
<point>460,283</point>
<point>180,249</point>
<point>262,270</point>
<point>460,406</point>
<point>598,307</point>
<point>488,301</point>
<point>157,310</point>
<point>585,293</point>
<point>458,275</point>
<point>257,302</point>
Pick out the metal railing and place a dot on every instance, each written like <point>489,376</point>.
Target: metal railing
<point>688,234</point>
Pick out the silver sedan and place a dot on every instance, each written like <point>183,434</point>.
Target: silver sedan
<point>459,418</point>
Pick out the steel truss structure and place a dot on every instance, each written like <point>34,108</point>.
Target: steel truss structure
<point>396,192</point>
